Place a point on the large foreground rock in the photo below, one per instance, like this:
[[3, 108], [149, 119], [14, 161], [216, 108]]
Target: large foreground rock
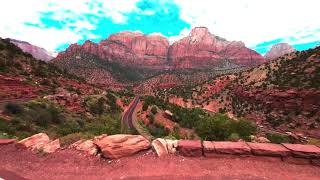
[[39, 142], [191, 148], [86, 146], [35, 142], [304, 151], [163, 147], [7, 141], [267, 149], [160, 147], [51, 146], [121, 145], [239, 148]]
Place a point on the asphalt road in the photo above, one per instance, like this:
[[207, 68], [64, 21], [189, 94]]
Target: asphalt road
[[127, 117]]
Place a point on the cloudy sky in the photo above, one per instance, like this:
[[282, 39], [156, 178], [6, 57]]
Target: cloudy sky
[[54, 24]]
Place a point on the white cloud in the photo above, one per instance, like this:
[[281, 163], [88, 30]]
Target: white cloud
[[14, 13], [252, 21], [183, 33]]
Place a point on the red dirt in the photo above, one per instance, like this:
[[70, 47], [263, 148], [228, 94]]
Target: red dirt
[[70, 164]]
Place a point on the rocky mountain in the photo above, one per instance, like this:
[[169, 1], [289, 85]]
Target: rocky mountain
[[143, 56], [35, 51], [203, 49], [279, 50]]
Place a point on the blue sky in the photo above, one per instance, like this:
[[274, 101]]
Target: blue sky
[[54, 24]]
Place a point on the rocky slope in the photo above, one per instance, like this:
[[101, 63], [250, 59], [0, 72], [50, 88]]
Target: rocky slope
[[279, 50], [22, 77], [282, 95], [142, 56], [35, 51]]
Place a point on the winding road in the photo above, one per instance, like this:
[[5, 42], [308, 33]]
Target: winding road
[[127, 117]]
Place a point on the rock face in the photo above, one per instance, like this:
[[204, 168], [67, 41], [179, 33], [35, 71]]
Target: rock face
[[117, 146], [202, 49], [278, 50], [126, 48], [35, 51]]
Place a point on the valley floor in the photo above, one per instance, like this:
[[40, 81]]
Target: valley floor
[[70, 164]]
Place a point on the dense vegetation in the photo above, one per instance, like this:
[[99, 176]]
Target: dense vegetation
[[208, 126], [45, 116]]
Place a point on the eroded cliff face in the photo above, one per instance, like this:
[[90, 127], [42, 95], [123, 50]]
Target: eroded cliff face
[[203, 49], [200, 49], [278, 50]]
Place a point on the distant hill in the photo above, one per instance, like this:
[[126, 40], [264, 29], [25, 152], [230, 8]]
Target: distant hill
[[35, 51]]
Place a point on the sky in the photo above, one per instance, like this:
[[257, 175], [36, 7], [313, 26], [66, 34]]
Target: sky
[[54, 24]]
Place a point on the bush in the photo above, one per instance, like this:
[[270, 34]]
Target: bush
[[244, 129], [13, 108], [154, 110], [220, 128], [278, 138], [151, 118], [72, 138], [145, 106], [95, 104], [234, 137]]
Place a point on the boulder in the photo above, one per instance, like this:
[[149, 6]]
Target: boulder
[[86, 146], [121, 145], [172, 146], [208, 149], [35, 142], [191, 148], [7, 141], [51, 146], [160, 147], [267, 149], [240, 148], [98, 138], [305, 151]]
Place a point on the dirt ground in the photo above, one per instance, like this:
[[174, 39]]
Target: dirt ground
[[71, 164]]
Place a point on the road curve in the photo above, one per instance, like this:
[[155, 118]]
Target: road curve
[[127, 116]]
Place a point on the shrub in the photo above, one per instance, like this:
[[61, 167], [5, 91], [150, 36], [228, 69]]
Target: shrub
[[234, 137], [13, 108], [145, 106], [219, 127], [154, 110], [244, 128], [151, 118], [214, 128], [278, 138], [72, 138]]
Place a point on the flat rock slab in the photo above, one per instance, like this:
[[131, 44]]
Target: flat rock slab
[[305, 151], [240, 148], [7, 141], [208, 149], [267, 149], [192, 148]]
